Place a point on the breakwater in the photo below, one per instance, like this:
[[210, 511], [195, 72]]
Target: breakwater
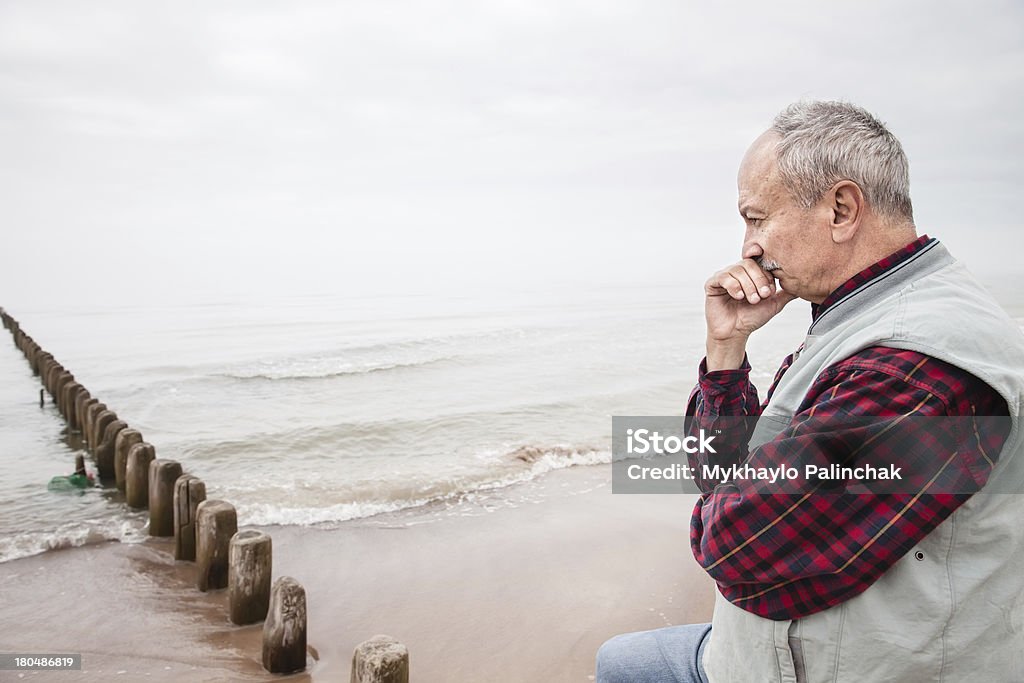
[[205, 531]]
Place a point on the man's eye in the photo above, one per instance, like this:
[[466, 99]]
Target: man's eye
[[754, 221]]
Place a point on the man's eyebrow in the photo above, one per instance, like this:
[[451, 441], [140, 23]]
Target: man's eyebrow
[[746, 209]]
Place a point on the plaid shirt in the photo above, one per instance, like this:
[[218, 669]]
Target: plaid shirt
[[786, 556]]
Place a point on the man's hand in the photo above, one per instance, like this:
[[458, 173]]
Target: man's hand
[[738, 300]]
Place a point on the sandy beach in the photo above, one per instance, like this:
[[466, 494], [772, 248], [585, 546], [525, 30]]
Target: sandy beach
[[482, 593]]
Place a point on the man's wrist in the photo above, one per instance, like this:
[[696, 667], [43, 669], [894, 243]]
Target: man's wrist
[[726, 355]]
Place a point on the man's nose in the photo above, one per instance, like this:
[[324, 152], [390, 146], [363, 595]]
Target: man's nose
[[751, 249]]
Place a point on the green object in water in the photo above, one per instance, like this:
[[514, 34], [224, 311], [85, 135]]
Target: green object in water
[[71, 482]]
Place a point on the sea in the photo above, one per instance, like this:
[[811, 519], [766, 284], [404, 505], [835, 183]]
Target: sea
[[321, 410]]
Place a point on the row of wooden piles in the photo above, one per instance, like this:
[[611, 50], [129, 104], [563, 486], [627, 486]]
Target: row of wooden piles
[[205, 531]]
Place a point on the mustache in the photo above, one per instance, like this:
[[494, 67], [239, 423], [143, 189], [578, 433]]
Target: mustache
[[767, 264]]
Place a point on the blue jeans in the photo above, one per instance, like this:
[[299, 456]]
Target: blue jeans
[[664, 655]]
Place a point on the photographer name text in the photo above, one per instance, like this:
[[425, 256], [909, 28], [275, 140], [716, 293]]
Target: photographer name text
[[770, 474]]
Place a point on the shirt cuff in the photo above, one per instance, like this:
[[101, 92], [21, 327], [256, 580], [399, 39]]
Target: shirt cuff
[[721, 387], [722, 378]]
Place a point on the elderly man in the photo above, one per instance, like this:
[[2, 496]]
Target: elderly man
[[921, 584]]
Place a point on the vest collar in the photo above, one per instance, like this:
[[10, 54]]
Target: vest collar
[[932, 257]]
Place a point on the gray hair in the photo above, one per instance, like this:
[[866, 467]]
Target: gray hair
[[825, 142]]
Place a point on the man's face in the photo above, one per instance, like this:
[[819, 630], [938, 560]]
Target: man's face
[[792, 243]]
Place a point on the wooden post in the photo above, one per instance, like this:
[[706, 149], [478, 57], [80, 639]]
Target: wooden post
[[62, 402], [249, 570], [82, 408], [90, 419], [42, 400], [56, 377], [45, 369], [381, 659], [162, 475], [284, 631], [63, 379], [33, 358], [216, 523], [99, 428], [43, 361], [52, 373], [189, 492], [105, 451], [51, 378], [71, 393], [136, 481], [126, 438]]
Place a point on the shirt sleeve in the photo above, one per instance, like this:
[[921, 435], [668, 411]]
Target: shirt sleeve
[[719, 405], [723, 393], [784, 556]]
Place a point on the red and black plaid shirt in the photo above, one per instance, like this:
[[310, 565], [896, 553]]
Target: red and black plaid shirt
[[786, 557]]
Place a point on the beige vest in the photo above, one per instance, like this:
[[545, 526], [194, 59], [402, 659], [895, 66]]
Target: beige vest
[[952, 609]]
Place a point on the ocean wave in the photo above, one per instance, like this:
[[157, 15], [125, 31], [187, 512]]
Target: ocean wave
[[509, 468], [346, 439], [316, 368], [303, 505], [349, 359], [73, 535]]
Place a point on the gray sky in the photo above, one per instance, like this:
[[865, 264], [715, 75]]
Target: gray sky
[[211, 149]]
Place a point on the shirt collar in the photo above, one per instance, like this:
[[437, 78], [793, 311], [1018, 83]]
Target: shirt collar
[[870, 273]]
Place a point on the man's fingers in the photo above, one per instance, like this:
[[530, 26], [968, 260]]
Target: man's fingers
[[754, 282], [740, 299], [763, 281], [742, 280], [725, 281], [716, 284]]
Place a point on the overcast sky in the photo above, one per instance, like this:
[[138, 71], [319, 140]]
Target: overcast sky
[[213, 149]]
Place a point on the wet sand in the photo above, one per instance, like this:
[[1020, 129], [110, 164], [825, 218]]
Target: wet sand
[[502, 592]]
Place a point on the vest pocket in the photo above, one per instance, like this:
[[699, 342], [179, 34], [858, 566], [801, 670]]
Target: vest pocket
[[796, 649], [815, 643]]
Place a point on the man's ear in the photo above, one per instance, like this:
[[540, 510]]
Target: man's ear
[[848, 208]]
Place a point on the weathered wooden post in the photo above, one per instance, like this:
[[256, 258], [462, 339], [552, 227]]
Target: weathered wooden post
[[62, 400], [33, 358], [51, 377], [381, 659], [46, 369], [90, 419], [82, 410], [105, 451], [162, 475], [216, 523], [126, 438], [56, 373], [284, 631], [42, 399], [63, 379], [189, 492], [72, 391], [52, 372], [43, 359], [249, 570], [136, 481], [99, 427]]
